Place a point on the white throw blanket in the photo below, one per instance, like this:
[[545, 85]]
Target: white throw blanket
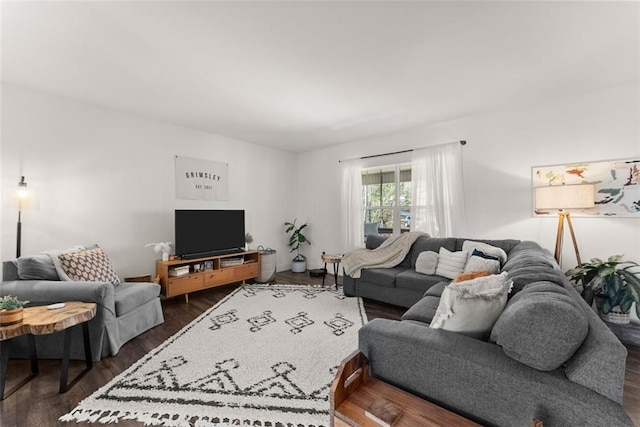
[[387, 255]]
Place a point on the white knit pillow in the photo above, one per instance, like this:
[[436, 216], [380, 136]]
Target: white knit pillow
[[450, 264], [426, 262]]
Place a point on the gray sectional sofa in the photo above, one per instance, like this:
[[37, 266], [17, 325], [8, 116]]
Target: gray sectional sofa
[[123, 312], [549, 356]]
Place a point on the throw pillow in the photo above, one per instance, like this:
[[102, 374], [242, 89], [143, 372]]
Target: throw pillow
[[469, 275], [470, 245], [450, 264], [472, 307], [37, 267], [481, 261], [90, 265], [54, 255], [427, 262]]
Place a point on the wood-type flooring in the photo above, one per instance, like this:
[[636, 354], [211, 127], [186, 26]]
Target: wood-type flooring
[[38, 403]]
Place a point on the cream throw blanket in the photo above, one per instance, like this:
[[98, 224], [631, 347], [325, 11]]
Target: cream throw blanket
[[389, 254]]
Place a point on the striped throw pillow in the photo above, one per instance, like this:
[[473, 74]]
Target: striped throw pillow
[[450, 264]]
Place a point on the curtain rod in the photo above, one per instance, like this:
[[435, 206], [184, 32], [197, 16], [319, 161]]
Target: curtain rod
[[462, 142]]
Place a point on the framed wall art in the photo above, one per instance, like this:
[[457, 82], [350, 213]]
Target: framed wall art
[[617, 186]]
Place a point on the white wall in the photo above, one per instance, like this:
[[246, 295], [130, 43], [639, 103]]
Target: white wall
[[106, 177], [502, 147]]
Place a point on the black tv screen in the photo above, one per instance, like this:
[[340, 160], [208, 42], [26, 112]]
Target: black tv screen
[[200, 233]]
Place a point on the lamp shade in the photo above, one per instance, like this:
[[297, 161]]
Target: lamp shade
[[575, 196]]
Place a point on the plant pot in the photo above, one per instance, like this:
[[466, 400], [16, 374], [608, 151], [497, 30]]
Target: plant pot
[[10, 317], [298, 266], [616, 316]]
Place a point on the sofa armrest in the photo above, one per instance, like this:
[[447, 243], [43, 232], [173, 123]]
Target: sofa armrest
[[477, 380], [42, 292]]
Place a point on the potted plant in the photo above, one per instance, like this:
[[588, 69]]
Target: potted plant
[[11, 310], [296, 239], [612, 283]]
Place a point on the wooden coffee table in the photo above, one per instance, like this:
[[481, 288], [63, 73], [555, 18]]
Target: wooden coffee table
[[42, 321]]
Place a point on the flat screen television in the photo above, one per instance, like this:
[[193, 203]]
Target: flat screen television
[[201, 233]]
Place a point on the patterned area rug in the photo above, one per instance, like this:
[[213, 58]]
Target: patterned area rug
[[266, 353]]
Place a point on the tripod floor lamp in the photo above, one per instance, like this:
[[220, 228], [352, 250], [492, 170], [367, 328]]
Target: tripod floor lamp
[[561, 197]]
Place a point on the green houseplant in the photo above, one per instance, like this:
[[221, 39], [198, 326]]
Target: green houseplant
[[612, 282], [296, 239], [11, 310]]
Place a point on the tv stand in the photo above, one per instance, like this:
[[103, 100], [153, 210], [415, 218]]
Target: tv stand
[[206, 272]]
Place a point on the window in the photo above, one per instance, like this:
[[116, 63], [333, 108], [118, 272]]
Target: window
[[386, 198]]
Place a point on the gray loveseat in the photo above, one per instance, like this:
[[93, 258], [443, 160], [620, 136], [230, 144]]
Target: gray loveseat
[[549, 357], [123, 311]]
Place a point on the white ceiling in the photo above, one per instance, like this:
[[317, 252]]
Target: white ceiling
[[299, 76]]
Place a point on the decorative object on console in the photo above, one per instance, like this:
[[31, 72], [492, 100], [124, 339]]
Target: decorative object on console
[[248, 239], [562, 197], [162, 247], [617, 185], [612, 284], [11, 310], [296, 239]]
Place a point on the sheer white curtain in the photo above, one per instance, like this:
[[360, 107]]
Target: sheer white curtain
[[352, 221], [437, 191]]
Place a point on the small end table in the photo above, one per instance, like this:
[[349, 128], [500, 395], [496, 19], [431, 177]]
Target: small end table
[[42, 321], [334, 259]]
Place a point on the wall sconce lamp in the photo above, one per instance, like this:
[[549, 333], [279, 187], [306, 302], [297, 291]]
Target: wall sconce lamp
[[561, 197]]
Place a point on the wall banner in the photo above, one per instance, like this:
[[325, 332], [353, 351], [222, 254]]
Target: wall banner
[[199, 179]]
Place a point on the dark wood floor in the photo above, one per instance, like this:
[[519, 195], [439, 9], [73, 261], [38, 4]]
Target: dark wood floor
[[38, 403]]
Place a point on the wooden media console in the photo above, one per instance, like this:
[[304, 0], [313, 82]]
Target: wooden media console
[[206, 272]]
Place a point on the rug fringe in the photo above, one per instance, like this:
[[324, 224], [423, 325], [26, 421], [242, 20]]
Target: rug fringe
[[165, 420]]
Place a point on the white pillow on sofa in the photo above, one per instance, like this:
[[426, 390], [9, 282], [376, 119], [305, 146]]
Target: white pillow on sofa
[[450, 264], [484, 262], [473, 306], [470, 245], [427, 262]]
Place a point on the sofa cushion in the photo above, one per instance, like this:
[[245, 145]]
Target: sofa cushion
[[374, 240], [524, 276], [90, 265], [423, 310], [470, 245], [472, 307], [450, 264], [410, 279], [436, 290], [427, 262], [381, 276], [37, 267], [434, 244], [130, 296], [542, 326]]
